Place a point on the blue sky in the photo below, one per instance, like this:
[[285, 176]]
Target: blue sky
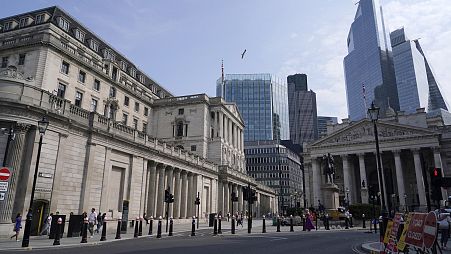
[[180, 43]]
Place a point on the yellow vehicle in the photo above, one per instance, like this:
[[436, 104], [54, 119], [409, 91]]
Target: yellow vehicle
[[336, 214]]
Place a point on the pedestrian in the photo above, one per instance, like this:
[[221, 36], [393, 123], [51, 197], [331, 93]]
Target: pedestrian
[[99, 222], [144, 217], [309, 221], [92, 220], [47, 225], [17, 226], [443, 226]]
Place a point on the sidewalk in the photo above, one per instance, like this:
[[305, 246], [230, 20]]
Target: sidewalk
[[376, 247]]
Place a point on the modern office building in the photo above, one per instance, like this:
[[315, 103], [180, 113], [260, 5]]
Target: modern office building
[[262, 101], [410, 71], [368, 66], [116, 139], [277, 164], [302, 110], [322, 124]]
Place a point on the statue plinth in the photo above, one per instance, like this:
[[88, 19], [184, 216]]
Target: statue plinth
[[330, 195], [364, 195]]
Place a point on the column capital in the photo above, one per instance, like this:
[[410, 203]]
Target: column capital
[[21, 128], [397, 152], [415, 151], [360, 155], [161, 166], [343, 156], [436, 149]]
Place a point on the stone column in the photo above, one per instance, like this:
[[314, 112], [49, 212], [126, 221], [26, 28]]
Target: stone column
[[160, 196], [226, 195], [316, 177], [240, 198], [151, 211], [184, 195], [189, 199], [177, 193], [347, 179], [170, 187], [419, 177], [399, 177], [220, 197], [14, 162], [364, 190], [221, 125]]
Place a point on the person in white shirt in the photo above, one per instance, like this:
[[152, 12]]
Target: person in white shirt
[[92, 220], [47, 225]]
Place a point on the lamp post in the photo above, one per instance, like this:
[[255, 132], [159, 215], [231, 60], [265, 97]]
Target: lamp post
[[373, 112], [42, 127], [405, 203]]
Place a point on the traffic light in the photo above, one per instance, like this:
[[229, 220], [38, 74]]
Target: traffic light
[[245, 194], [197, 201], [253, 196], [171, 198], [436, 183], [166, 196]]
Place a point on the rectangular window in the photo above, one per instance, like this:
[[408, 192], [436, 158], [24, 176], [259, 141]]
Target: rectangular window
[[181, 111], [135, 123], [124, 119], [23, 22], [145, 127], [112, 92], [39, 19], [96, 85], [126, 101], [146, 111], [21, 59], [78, 98], [63, 24], [4, 62], [61, 90], [79, 35], [193, 148], [114, 74], [82, 76], [136, 107], [8, 26], [93, 105], [65, 68], [94, 45]]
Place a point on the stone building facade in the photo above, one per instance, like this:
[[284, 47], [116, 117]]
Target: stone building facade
[[109, 144]]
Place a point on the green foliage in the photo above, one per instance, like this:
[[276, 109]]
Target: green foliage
[[358, 209], [295, 211]]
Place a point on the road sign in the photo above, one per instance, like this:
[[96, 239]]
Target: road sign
[[430, 230], [4, 174], [402, 239], [3, 186], [414, 235], [2, 196]]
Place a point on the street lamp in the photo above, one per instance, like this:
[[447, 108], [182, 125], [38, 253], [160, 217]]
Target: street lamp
[[373, 112], [405, 203], [42, 127]]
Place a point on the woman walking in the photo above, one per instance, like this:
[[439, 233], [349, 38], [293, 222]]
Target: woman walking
[[309, 221], [17, 226]]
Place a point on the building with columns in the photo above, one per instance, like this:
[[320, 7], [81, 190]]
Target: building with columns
[[410, 146], [116, 139]]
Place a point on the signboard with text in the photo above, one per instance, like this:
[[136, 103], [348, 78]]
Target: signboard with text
[[3, 186], [414, 236], [429, 230]]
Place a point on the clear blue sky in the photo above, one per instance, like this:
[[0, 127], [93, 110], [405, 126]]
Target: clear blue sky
[[180, 43]]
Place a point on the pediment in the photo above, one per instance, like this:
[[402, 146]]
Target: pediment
[[233, 108], [363, 131]]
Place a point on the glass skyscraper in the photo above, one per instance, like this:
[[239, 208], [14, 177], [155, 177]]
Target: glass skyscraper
[[368, 67], [263, 103]]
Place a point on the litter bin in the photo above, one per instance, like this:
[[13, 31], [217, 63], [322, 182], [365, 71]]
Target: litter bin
[[54, 226], [211, 219], [75, 223]]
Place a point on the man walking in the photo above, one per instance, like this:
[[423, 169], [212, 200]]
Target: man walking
[[92, 220], [47, 225]]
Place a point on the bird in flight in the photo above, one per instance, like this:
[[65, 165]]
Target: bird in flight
[[244, 52]]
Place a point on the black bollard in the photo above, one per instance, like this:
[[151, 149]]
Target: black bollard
[[84, 236], [291, 223], [347, 223], [350, 222], [363, 221], [193, 227], [103, 237], [215, 226], [264, 225], [159, 227], [303, 222], [135, 235], [375, 226], [171, 226], [327, 222], [140, 230], [118, 229], [316, 221], [219, 224], [278, 223], [233, 225], [58, 232], [150, 225]]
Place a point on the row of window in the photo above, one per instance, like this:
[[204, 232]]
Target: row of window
[[266, 160], [23, 22], [272, 150], [5, 60]]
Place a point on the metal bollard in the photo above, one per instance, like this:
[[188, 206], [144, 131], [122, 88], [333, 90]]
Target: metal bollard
[[140, 230], [219, 224], [291, 223], [303, 222], [363, 221], [327, 222], [171, 226], [135, 235], [215, 225], [103, 237], [118, 229], [193, 227], [58, 232], [375, 226], [351, 224], [159, 227], [150, 225], [264, 225], [278, 223], [84, 236], [347, 223], [233, 224]]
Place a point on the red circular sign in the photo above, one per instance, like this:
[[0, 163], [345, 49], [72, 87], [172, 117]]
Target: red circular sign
[[4, 174], [429, 230]]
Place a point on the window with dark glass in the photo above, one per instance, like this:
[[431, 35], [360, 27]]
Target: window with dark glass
[[126, 101], [136, 107], [124, 119], [179, 132], [181, 111], [146, 111], [94, 105], [78, 98], [135, 123], [61, 90], [96, 85], [23, 22], [4, 62], [65, 67], [39, 19], [112, 92], [144, 127], [21, 59], [193, 148], [82, 76]]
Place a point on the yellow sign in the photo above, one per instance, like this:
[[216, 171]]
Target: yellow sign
[[387, 231], [402, 239]]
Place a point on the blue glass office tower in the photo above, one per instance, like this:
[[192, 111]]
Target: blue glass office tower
[[368, 67], [263, 103]]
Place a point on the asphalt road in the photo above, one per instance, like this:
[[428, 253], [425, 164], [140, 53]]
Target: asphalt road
[[203, 242]]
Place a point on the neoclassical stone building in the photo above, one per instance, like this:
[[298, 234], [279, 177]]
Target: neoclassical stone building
[[117, 139], [410, 146]]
